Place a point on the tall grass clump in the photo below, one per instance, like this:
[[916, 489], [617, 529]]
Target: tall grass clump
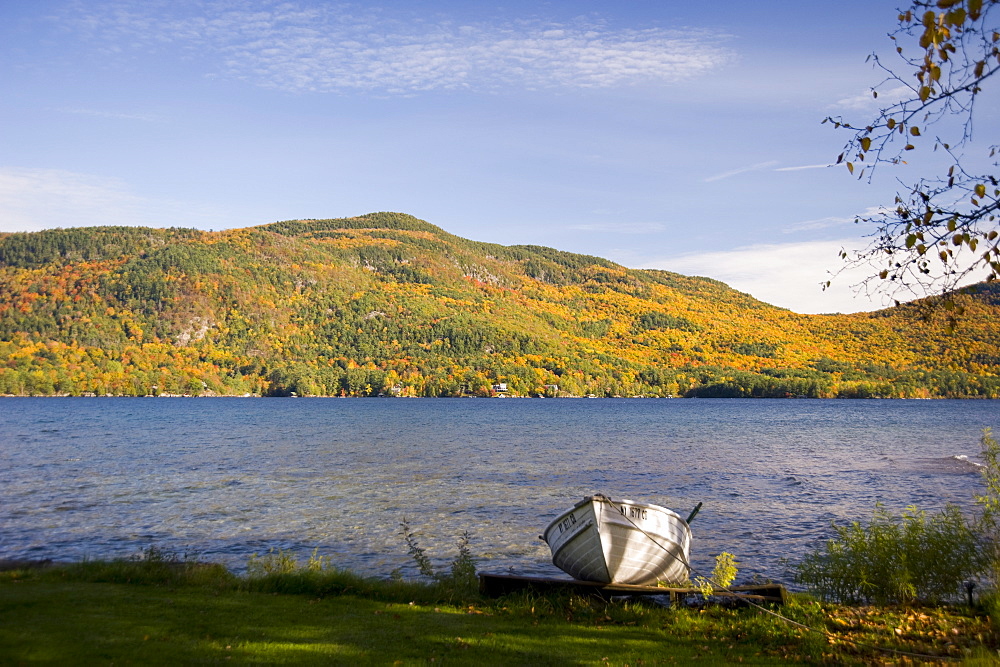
[[280, 571], [459, 582], [152, 566]]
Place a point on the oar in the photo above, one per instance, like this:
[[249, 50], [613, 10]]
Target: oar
[[694, 513]]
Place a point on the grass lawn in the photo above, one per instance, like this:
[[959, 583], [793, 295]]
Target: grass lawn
[[89, 623], [64, 616]]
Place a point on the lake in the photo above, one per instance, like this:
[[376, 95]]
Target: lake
[[222, 478]]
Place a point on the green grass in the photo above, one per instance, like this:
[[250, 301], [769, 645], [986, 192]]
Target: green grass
[[170, 612], [86, 623]]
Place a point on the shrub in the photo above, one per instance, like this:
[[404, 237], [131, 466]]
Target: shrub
[[723, 574], [989, 501], [914, 556]]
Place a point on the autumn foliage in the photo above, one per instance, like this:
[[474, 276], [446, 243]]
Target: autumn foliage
[[385, 304]]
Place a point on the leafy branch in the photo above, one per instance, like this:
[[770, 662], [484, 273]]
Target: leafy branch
[[941, 229]]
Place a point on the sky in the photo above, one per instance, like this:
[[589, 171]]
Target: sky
[[657, 134]]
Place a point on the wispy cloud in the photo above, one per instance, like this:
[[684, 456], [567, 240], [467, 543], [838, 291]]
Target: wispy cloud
[[805, 166], [783, 274], [34, 199], [818, 223], [834, 221], [741, 170], [867, 102], [337, 48], [762, 166], [790, 275]]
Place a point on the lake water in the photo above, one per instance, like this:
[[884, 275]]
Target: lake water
[[223, 478]]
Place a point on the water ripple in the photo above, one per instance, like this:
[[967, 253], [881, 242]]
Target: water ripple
[[225, 478]]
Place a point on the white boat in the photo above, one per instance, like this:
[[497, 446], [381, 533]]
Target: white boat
[[620, 542]]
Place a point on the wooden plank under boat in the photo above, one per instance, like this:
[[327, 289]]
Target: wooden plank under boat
[[495, 585], [621, 542]]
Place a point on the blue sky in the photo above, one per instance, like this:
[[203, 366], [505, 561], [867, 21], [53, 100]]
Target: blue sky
[[658, 134]]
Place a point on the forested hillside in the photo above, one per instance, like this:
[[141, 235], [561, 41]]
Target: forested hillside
[[385, 304]]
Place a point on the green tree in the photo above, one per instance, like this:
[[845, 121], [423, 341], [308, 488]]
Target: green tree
[[942, 228]]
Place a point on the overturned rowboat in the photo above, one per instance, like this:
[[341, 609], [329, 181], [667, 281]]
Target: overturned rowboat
[[621, 542]]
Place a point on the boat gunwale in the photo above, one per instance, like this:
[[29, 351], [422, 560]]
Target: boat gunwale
[[614, 503]]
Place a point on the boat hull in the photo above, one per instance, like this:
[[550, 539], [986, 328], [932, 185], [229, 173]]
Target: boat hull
[[621, 542]]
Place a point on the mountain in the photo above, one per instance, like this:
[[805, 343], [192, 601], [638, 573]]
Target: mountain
[[386, 304]]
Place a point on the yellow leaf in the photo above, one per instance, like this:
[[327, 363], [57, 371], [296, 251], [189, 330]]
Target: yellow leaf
[[850, 167], [980, 190], [915, 131], [891, 123]]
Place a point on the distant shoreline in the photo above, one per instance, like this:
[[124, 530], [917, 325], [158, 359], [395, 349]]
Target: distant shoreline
[[615, 398]]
